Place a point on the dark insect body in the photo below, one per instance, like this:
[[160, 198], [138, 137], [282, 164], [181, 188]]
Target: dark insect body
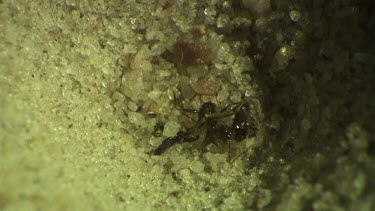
[[168, 142], [242, 126]]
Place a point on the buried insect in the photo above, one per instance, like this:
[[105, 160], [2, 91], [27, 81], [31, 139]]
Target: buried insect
[[242, 125]]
